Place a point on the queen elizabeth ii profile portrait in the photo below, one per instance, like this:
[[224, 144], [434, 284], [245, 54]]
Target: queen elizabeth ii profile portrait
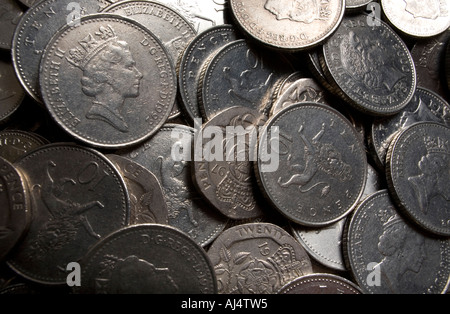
[[109, 75]]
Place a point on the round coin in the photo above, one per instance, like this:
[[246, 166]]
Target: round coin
[[147, 259], [77, 197], [387, 255], [15, 211], [320, 284], [418, 175], [10, 13], [257, 258], [315, 172], [108, 82], [11, 91], [356, 4], [358, 60], [288, 25], [16, 143], [418, 18]]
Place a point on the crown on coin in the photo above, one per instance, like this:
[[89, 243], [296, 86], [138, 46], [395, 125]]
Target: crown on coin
[[90, 46], [387, 218], [437, 145]]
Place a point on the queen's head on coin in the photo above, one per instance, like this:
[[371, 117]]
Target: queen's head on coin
[[428, 9], [109, 75]]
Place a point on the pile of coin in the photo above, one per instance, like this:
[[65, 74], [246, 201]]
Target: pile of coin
[[224, 147]]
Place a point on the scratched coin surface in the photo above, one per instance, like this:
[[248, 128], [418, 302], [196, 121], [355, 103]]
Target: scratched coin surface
[[320, 284], [147, 259], [168, 156], [418, 175], [312, 170], [388, 255], [174, 31], [418, 18], [77, 197], [118, 71], [424, 106], [290, 25], [147, 202], [15, 211], [358, 60], [223, 172], [11, 91], [257, 258]]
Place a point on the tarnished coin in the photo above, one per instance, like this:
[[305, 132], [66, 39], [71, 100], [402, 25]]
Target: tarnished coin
[[34, 30], [320, 284], [387, 255], [223, 167], [147, 259], [424, 106], [147, 202], [16, 143], [170, 27], [239, 74], [358, 59], [418, 175], [312, 170], [77, 197], [11, 91], [257, 258], [10, 14], [168, 156], [15, 210], [191, 63], [108, 82], [289, 25], [418, 18]]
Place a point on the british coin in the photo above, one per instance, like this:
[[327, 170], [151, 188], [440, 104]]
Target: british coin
[[147, 202], [223, 167], [168, 156], [34, 30], [77, 198], [320, 172], [121, 74], [10, 14], [11, 92], [287, 25], [388, 255], [447, 66], [429, 59], [356, 4], [170, 27], [424, 106], [147, 259], [15, 211], [320, 284], [417, 172], [14, 144], [358, 60], [29, 3], [240, 75], [192, 60], [418, 18], [257, 258]]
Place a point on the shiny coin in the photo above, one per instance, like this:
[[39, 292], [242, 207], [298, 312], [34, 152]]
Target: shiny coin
[[11, 91], [257, 258], [118, 71], [10, 13], [418, 18], [387, 255], [356, 4], [358, 58], [16, 143], [147, 259], [77, 197], [418, 174], [320, 284], [317, 174], [286, 24]]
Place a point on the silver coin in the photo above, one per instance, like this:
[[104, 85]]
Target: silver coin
[[418, 18], [257, 258], [147, 259], [14, 144], [387, 255], [418, 175], [320, 284], [77, 197], [322, 164], [11, 91], [121, 74], [10, 14], [356, 4]]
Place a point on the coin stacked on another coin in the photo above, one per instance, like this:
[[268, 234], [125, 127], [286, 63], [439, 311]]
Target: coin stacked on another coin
[[224, 147]]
